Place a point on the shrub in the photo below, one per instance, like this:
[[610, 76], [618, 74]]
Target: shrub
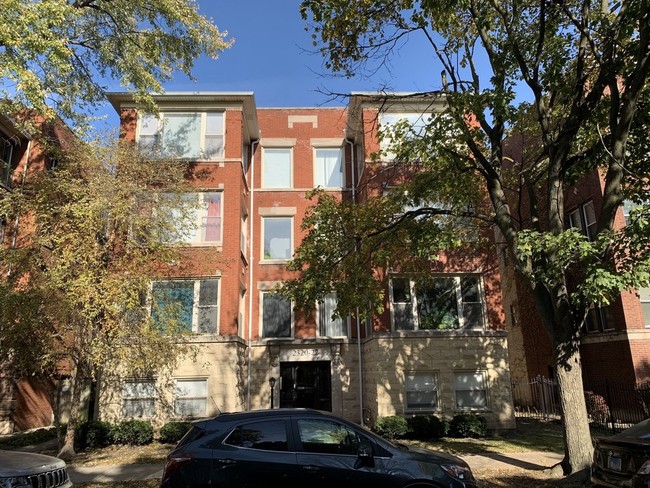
[[468, 425], [172, 432], [133, 433], [597, 408], [425, 427], [93, 433], [23, 439], [392, 427]]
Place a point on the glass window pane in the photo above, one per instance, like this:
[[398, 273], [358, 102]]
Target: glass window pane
[[321, 436], [645, 306], [401, 290], [173, 301], [181, 135], [438, 305], [277, 238], [190, 398], [269, 436], [328, 170], [277, 168], [208, 292], [329, 327], [276, 316], [470, 390], [421, 391]]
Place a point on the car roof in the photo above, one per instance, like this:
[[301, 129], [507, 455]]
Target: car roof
[[262, 414]]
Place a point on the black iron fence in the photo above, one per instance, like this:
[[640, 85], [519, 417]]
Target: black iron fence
[[611, 406]]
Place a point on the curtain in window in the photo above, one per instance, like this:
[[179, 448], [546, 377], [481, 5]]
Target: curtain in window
[[421, 391], [139, 399], [211, 219], [182, 135], [277, 168], [470, 390], [328, 168], [173, 301], [330, 327], [276, 316], [190, 398]]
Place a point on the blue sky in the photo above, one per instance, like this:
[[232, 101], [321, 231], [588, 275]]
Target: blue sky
[[270, 58]]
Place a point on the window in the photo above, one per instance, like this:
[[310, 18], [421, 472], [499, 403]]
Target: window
[[270, 435], [277, 237], [243, 235], [190, 398], [193, 305], [598, 319], [584, 219], [276, 166], [206, 220], [644, 295], [470, 391], [417, 123], [328, 169], [139, 399], [443, 303], [328, 437], [276, 316], [328, 327], [195, 135], [6, 157], [421, 392]]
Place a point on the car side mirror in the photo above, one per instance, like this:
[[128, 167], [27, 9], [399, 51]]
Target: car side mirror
[[365, 451]]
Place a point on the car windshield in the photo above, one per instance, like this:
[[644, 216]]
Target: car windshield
[[638, 431]]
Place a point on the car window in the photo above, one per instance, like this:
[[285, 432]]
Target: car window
[[193, 434], [324, 436], [270, 435]]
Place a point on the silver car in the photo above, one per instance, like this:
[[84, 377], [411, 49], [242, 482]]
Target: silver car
[[28, 470]]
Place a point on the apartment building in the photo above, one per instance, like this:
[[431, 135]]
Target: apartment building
[[254, 350]]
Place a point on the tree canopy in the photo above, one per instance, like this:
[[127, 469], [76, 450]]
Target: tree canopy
[[86, 241], [57, 56], [583, 68]]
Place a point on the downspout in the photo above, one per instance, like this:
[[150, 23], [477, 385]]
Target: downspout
[[359, 348], [250, 274]]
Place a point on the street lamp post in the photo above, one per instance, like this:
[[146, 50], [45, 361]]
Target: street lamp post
[[272, 385]]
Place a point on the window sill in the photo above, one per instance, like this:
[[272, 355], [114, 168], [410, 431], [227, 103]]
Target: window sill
[[274, 261]]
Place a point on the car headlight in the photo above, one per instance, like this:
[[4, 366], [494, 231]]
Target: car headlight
[[457, 471], [14, 482]]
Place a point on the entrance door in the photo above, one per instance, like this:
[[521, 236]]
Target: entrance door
[[306, 385]]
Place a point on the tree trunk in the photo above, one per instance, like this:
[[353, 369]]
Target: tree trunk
[[578, 448], [67, 452]]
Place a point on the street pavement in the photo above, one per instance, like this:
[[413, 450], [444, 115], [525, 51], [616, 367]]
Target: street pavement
[[532, 460]]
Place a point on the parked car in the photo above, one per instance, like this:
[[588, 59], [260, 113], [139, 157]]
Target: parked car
[[295, 448], [623, 459], [28, 470]]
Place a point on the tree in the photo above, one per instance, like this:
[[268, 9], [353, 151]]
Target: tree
[[91, 236], [584, 66], [57, 55]]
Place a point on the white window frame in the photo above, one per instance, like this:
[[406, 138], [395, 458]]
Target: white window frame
[[265, 152], [263, 294], [196, 306], [270, 259], [180, 397], [579, 218], [421, 383], [318, 171], [203, 134], [458, 388], [321, 309], [144, 392], [459, 302]]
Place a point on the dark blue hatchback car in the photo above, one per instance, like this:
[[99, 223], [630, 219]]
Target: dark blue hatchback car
[[293, 448]]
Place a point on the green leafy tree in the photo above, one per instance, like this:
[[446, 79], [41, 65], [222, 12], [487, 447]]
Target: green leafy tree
[[584, 66], [86, 241], [57, 56]]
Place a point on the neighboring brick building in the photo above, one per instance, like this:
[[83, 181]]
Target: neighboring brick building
[[257, 165], [25, 149], [616, 339]]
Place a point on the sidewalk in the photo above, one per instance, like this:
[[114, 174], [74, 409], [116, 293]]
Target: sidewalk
[[532, 460]]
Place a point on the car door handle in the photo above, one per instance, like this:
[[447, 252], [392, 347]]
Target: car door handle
[[311, 468], [226, 461]]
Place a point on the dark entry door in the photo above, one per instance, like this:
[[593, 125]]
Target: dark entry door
[[306, 385]]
